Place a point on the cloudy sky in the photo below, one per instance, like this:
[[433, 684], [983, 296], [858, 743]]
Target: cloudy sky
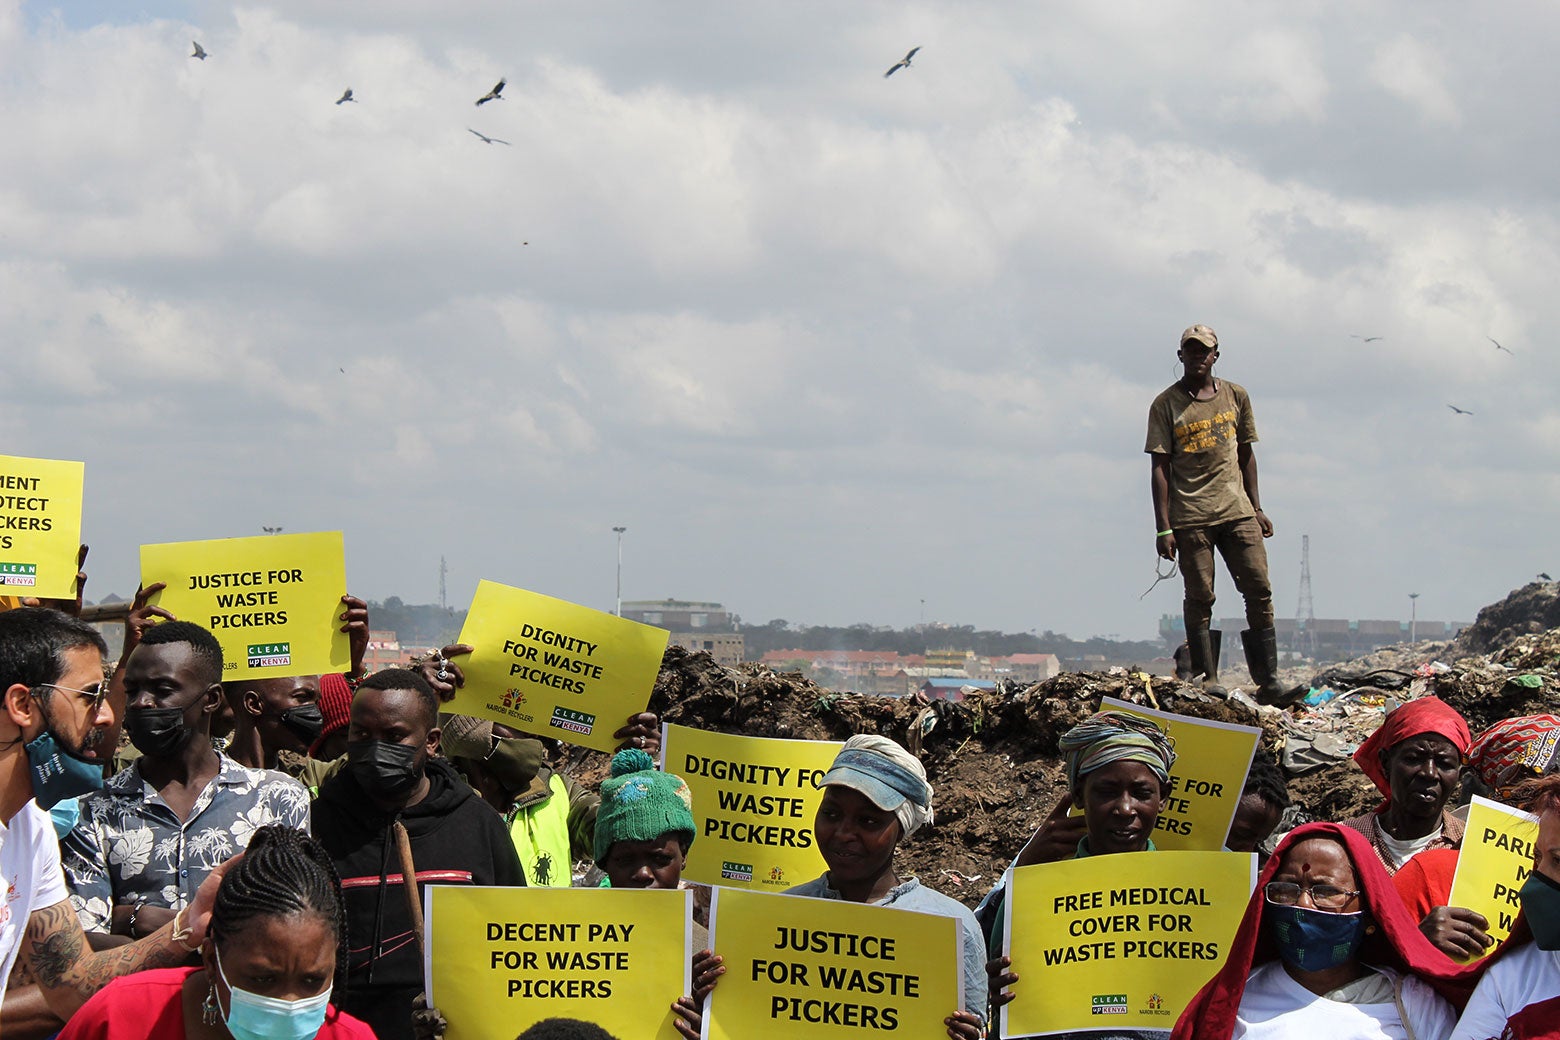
[[828, 345]]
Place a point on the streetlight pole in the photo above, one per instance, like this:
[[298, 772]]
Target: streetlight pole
[[1413, 615], [619, 532]]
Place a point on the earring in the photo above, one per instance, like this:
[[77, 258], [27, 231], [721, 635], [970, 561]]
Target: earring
[[210, 1013]]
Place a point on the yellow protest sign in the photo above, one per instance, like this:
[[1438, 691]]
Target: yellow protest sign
[[754, 799], [822, 968], [1211, 761], [499, 960], [1495, 859], [551, 667], [1119, 942], [40, 526], [272, 601]]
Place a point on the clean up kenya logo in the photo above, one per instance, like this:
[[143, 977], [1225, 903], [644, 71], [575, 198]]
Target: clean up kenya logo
[[18, 574], [1109, 1004], [269, 655], [736, 871], [573, 721]]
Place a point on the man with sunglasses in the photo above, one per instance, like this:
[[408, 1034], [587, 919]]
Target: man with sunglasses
[[54, 718], [1204, 484]]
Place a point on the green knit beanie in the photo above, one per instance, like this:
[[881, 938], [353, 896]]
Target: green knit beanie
[[640, 803]]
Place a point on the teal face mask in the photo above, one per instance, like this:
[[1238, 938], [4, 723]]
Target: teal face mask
[[57, 774], [253, 1017], [1541, 906]]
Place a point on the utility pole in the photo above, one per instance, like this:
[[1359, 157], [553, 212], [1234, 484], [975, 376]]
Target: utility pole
[[1305, 612], [619, 532], [443, 572]]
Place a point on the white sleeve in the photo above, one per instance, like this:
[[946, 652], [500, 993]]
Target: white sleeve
[[1485, 1016], [1429, 1015], [48, 880]]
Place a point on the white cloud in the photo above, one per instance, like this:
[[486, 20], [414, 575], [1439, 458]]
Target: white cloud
[[1414, 73]]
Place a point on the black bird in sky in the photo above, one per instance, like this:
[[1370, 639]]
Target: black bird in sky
[[200, 52], [1495, 341], [346, 95], [486, 139], [1365, 339], [496, 94], [1459, 411], [902, 63], [1544, 576]]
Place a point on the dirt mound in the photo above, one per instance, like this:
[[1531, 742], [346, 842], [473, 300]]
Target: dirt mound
[[991, 758], [1528, 611]]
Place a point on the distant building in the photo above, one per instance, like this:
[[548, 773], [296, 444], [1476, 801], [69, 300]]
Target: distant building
[[385, 651], [679, 615], [1319, 639], [725, 647], [1027, 668]]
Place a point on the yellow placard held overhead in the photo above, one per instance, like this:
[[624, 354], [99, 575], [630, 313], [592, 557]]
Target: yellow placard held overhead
[[272, 601], [40, 526], [1495, 860], [1211, 762], [824, 968], [1119, 942], [551, 667], [754, 799], [499, 960]]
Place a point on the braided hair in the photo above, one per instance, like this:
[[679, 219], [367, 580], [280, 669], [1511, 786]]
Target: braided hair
[[1266, 780], [284, 872]]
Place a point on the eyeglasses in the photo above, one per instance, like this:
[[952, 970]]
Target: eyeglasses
[[94, 697], [1326, 897]]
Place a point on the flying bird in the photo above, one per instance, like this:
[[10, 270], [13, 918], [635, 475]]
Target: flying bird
[[346, 95], [496, 94], [902, 63], [1495, 341], [1459, 411], [200, 52], [1365, 339], [486, 139]]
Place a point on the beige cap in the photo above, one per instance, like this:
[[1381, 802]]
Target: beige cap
[[1202, 334]]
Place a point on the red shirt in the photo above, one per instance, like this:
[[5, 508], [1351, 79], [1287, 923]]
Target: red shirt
[[147, 1006]]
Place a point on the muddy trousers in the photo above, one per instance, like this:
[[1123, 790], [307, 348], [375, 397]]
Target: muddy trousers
[[1240, 543]]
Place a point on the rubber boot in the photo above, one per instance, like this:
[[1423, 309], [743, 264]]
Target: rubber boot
[[1205, 660], [1261, 646]]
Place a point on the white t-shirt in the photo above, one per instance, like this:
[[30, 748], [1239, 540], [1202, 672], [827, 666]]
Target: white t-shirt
[[30, 875], [1276, 1007], [1524, 976]]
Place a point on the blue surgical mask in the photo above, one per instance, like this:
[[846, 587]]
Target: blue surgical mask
[[57, 774], [253, 1017], [1314, 940]]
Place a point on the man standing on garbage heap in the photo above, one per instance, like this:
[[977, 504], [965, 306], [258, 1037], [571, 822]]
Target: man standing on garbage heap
[[1204, 480]]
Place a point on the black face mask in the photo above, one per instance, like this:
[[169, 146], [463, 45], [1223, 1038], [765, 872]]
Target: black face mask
[[157, 732], [305, 721], [385, 770]]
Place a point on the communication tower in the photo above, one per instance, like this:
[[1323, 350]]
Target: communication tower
[[1305, 612]]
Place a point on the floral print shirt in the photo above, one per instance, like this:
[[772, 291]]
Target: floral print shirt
[[130, 848]]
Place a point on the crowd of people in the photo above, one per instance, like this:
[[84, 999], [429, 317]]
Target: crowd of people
[[141, 919]]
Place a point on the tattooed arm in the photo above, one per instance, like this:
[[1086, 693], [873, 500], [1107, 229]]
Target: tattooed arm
[[69, 971]]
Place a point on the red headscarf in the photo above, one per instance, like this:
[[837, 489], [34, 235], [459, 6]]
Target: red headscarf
[[1396, 943], [1425, 715]]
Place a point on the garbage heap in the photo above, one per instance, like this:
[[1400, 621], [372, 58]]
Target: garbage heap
[[992, 757]]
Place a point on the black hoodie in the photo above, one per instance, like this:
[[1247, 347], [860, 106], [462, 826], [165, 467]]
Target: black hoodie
[[457, 839]]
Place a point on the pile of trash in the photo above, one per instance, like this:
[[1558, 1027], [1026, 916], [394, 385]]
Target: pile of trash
[[992, 757]]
